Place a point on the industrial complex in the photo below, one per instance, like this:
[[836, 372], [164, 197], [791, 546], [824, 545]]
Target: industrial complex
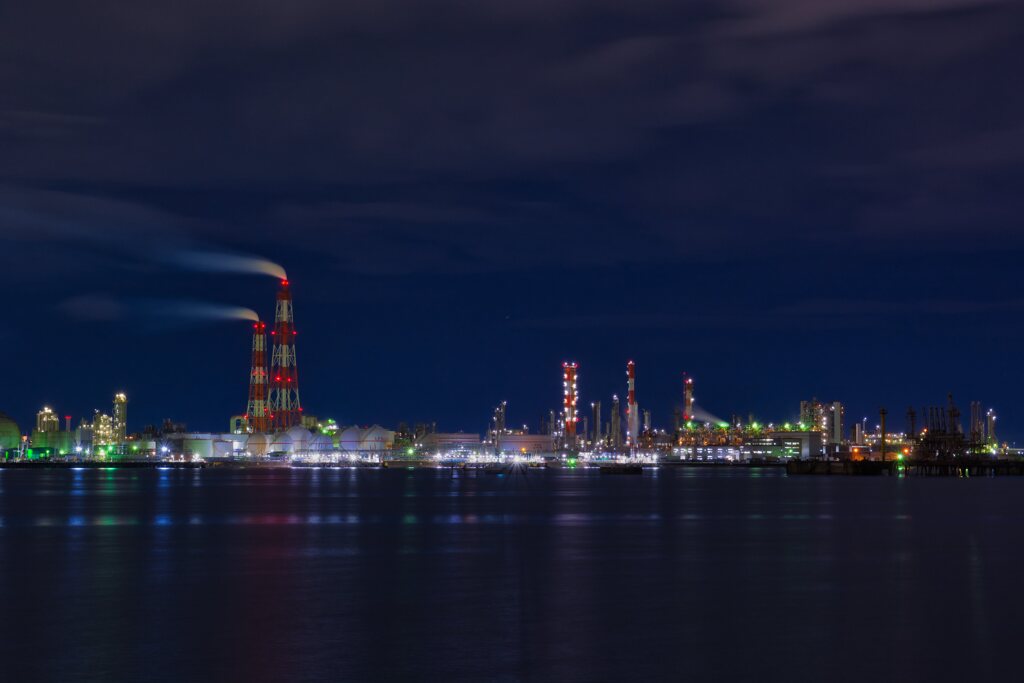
[[275, 429]]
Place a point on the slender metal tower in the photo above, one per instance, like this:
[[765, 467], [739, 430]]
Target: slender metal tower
[[615, 428], [285, 407], [632, 411], [571, 396], [257, 412], [687, 398]]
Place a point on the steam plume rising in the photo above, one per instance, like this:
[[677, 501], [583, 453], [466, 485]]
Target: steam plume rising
[[204, 311], [100, 307], [228, 263]]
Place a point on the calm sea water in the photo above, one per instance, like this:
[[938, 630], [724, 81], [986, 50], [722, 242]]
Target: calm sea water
[[343, 575]]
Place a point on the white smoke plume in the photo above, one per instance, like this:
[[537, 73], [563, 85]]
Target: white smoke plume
[[101, 307], [205, 311], [227, 263]]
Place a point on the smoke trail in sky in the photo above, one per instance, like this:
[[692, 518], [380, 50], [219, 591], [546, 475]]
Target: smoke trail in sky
[[203, 311], [227, 263], [101, 307]]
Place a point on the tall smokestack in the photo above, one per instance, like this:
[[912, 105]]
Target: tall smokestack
[[615, 425], [632, 412], [571, 396], [257, 412], [687, 398], [285, 407]]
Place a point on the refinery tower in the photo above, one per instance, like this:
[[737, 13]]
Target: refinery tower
[[570, 399], [283, 397], [257, 412]]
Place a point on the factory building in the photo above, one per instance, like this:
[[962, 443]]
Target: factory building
[[525, 444], [784, 445], [440, 442]]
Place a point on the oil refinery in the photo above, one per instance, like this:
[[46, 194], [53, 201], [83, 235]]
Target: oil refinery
[[275, 430]]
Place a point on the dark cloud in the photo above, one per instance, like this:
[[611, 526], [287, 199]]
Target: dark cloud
[[524, 173]]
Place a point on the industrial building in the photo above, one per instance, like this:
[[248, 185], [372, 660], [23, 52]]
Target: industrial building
[[784, 445], [275, 427]]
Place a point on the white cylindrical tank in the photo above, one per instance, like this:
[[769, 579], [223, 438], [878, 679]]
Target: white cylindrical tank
[[281, 443], [301, 438], [376, 438], [321, 443], [257, 444], [350, 439]]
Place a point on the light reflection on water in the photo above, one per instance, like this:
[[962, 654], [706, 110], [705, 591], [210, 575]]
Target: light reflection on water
[[377, 575]]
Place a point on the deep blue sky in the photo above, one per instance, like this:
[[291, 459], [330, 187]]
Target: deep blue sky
[[784, 198]]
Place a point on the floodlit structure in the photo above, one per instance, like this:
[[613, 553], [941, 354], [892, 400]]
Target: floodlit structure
[[526, 444], [285, 407], [120, 425], [835, 424], [570, 391], [257, 411], [632, 411], [687, 398], [47, 420], [103, 433]]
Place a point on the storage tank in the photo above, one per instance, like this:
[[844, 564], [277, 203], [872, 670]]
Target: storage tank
[[281, 443], [350, 439], [10, 435], [321, 443], [376, 438], [258, 444], [301, 437]]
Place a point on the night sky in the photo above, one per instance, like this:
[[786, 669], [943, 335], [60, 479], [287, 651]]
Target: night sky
[[784, 198]]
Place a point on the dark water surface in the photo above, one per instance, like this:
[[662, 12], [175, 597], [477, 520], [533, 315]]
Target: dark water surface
[[344, 575]]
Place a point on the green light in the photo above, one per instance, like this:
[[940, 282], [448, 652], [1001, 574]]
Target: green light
[[786, 426], [410, 451], [723, 425]]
